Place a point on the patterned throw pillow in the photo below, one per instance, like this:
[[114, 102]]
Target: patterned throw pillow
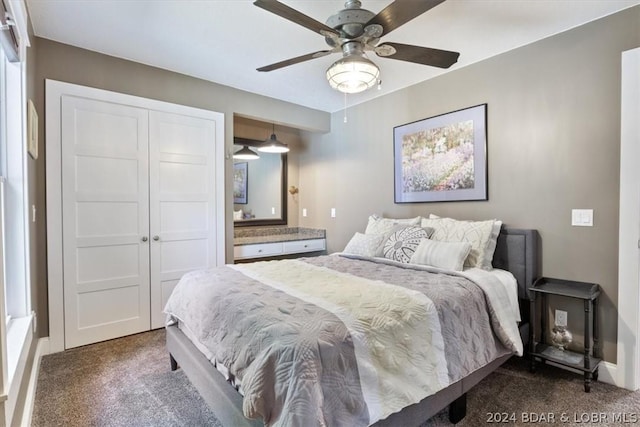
[[478, 233], [378, 225], [402, 242], [364, 244], [490, 249]]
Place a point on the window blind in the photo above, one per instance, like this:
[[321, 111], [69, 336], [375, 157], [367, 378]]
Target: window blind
[[8, 36]]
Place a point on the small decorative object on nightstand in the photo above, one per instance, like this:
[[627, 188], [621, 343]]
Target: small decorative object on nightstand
[[560, 336]]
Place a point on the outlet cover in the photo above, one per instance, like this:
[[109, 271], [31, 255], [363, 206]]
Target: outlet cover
[[561, 318]]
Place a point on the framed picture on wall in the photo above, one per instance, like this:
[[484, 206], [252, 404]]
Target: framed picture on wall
[[442, 158], [240, 181]]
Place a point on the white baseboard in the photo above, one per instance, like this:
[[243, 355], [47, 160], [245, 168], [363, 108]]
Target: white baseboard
[[41, 350], [608, 373]]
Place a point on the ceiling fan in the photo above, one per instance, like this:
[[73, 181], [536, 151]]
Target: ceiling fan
[[355, 31]]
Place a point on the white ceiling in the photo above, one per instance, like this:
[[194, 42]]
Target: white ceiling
[[225, 41]]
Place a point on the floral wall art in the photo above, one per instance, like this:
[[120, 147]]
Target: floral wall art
[[442, 158]]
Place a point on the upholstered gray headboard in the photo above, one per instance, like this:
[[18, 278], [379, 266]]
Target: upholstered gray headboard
[[517, 251]]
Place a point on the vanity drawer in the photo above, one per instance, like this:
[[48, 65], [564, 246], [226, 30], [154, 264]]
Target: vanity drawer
[[297, 246], [257, 251]]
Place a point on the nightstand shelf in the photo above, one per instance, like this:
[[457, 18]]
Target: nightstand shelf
[[587, 362], [567, 358]]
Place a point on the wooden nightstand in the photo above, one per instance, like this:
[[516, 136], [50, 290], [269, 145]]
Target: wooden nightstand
[[587, 362]]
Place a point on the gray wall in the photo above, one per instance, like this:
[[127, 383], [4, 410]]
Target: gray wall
[[553, 145], [70, 64], [35, 173]]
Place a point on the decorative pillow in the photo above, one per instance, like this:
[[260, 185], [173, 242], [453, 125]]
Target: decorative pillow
[[491, 243], [379, 225], [487, 263], [402, 242], [364, 244], [478, 233], [447, 255]]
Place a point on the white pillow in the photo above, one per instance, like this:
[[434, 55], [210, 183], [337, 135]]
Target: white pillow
[[364, 244], [402, 242], [447, 255], [478, 233], [378, 225], [487, 264], [491, 244]]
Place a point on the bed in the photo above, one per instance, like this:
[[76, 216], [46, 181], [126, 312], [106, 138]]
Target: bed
[[219, 382]]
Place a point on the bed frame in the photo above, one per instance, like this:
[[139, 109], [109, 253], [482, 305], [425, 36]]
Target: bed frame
[[517, 251]]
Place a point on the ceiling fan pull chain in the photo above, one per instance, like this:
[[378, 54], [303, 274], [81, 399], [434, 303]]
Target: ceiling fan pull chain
[[345, 107]]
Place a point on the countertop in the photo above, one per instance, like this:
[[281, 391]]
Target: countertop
[[254, 236]]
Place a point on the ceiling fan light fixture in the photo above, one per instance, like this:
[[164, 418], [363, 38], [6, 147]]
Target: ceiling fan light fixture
[[353, 74], [245, 153]]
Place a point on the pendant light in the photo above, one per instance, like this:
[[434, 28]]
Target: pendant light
[[272, 145], [245, 153]]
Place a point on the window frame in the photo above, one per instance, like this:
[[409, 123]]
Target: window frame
[[16, 334], [16, 236]]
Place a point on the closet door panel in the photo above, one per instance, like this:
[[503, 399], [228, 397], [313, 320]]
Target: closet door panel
[[184, 216], [105, 205], [182, 200]]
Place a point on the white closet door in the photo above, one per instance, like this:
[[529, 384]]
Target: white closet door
[[105, 220], [182, 199]]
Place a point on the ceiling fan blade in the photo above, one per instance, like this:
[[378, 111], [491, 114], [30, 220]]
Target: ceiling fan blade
[[296, 60], [419, 55], [293, 15], [400, 12]]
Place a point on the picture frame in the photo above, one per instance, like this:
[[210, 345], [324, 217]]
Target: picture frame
[[442, 158], [240, 181], [32, 130]]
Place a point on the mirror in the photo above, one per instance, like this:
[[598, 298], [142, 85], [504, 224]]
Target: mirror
[[259, 187]]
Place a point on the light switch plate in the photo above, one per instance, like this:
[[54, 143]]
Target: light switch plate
[[333, 212], [582, 217], [304, 212]]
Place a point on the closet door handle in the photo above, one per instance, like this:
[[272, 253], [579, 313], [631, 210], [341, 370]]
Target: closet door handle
[[156, 238], [145, 238]]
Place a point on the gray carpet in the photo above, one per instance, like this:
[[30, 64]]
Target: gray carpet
[[127, 382], [123, 382]]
